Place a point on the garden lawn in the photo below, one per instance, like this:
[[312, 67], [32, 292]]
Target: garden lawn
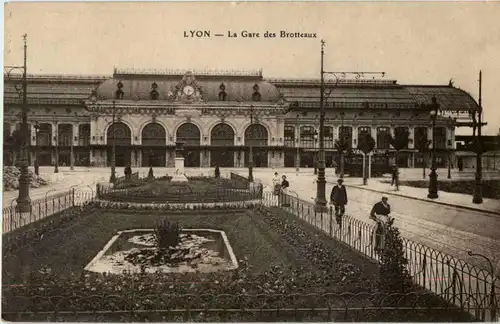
[[284, 263], [72, 247]]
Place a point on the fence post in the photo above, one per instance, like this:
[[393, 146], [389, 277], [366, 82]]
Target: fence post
[[73, 198], [331, 220]]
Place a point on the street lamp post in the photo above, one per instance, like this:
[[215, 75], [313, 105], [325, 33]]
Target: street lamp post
[[297, 143], [56, 140], [433, 177], [23, 200], [315, 155], [320, 205], [478, 192], [37, 165], [112, 177], [342, 157], [250, 153], [72, 149]]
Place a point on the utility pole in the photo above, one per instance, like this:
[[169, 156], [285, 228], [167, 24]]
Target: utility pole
[[24, 200], [478, 192]]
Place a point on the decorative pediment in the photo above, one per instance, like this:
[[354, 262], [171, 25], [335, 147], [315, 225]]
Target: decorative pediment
[[188, 90]]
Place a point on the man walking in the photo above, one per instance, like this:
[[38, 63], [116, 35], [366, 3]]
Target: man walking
[[380, 214], [338, 198]]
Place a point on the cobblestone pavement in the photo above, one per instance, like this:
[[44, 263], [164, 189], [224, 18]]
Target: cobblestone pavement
[[450, 230]]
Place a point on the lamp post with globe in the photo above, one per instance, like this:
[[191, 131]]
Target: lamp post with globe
[[433, 177]]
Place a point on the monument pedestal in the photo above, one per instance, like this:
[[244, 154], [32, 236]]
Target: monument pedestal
[[179, 170]]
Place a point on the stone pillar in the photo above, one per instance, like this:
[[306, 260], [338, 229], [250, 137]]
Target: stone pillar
[[91, 156], [139, 158], [373, 133], [370, 165], [429, 136], [166, 158], [411, 138], [354, 136], [132, 158]]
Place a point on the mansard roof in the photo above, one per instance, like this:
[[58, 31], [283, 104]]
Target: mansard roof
[[372, 94], [137, 84], [51, 89]]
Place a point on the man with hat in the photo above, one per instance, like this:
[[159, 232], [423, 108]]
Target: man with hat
[[338, 198], [380, 214]]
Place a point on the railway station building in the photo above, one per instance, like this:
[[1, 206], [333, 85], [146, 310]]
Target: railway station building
[[219, 115]]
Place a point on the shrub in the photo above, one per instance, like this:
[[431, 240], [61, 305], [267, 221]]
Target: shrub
[[167, 234], [394, 276]]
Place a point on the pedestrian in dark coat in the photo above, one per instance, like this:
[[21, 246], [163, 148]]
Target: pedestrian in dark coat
[[380, 214], [338, 198], [217, 172], [128, 171], [283, 192]]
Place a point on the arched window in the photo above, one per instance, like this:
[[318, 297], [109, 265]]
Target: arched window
[[154, 134], [222, 135], [189, 134], [119, 133], [256, 135]]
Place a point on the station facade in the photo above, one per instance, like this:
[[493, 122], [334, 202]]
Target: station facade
[[220, 115]]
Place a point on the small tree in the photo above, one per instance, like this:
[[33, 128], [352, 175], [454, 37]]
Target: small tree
[[366, 144], [167, 234], [394, 275], [399, 142], [423, 145], [342, 145]]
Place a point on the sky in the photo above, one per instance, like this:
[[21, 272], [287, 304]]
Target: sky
[[412, 42]]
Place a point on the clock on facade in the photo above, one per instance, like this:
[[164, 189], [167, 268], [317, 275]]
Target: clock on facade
[[188, 90]]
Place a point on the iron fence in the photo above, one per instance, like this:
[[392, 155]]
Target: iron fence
[[43, 208], [229, 307], [468, 286]]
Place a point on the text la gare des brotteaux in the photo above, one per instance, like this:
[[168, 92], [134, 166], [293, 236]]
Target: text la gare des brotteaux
[[249, 34]]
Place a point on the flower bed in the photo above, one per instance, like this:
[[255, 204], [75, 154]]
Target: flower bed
[[198, 250], [176, 206], [201, 190], [277, 254], [491, 188]]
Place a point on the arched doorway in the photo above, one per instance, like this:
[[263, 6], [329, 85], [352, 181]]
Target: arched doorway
[[256, 136], [222, 141], [190, 135], [120, 134], [154, 141]]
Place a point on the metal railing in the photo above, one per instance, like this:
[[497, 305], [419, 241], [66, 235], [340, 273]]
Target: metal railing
[[312, 307], [42, 208], [468, 286]]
